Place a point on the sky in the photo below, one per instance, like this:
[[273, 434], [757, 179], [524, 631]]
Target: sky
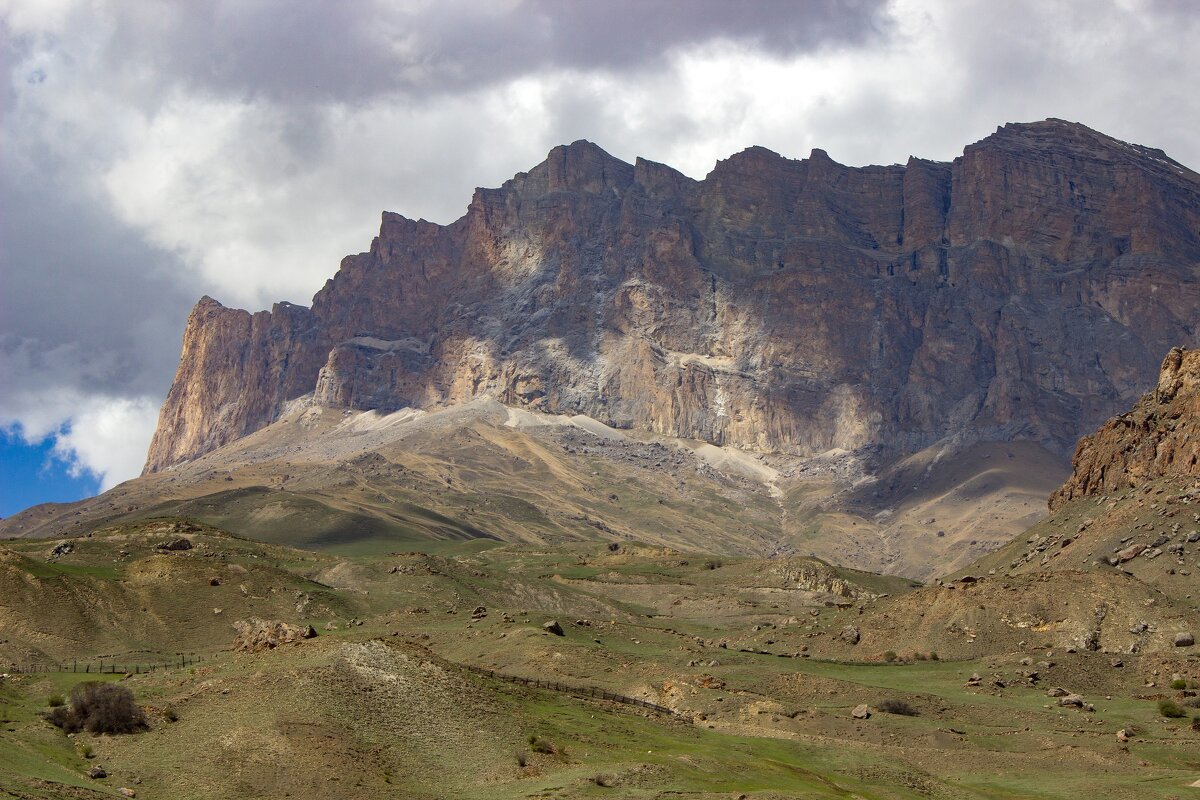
[[153, 152]]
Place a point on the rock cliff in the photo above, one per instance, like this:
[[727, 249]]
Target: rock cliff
[[1159, 438], [781, 305]]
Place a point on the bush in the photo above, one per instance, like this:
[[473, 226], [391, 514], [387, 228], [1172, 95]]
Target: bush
[[522, 758], [55, 700], [933, 656], [539, 745], [171, 714], [1179, 683], [1171, 709], [897, 707], [603, 780], [712, 564], [99, 708], [890, 656], [1196, 723]]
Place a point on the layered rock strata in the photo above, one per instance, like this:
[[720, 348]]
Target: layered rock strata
[[779, 305]]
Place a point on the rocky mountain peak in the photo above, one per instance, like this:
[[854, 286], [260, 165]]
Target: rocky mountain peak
[[780, 305]]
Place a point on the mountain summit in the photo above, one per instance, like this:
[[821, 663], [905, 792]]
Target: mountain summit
[[1024, 291]]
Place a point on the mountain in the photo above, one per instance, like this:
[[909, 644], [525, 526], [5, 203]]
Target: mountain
[[780, 306]]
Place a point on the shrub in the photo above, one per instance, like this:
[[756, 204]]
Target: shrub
[[99, 708], [1171, 709], [522, 758], [1179, 683], [897, 707], [602, 780], [539, 745], [889, 656], [1196, 723], [87, 751], [712, 564], [55, 700], [171, 714], [933, 656], [920, 657]]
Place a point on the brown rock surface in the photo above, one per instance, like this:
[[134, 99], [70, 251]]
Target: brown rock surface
[[259, 634], [783, 305], [1159, 437]]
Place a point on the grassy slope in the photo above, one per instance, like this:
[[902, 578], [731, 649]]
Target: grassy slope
[[291, 722]]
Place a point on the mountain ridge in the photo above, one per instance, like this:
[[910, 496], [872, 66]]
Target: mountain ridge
[[1012, 293]]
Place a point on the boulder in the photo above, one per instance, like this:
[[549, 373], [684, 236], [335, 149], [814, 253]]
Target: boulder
[[61, 549], [1075, 700], [1185, 639], [97, 772], [553, 627], [851, 634], [177, 544], [1130, 553], [861, 711], [256, 634]]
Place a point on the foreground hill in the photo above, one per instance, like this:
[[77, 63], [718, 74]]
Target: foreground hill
[[1019, 292], [748, 657]]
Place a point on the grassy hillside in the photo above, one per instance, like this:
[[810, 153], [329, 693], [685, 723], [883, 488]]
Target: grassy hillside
[[749, 653]]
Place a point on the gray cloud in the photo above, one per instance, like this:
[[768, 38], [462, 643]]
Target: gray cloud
[[329, 51]]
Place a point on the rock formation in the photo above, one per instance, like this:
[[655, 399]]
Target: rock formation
[[782, 305], [256, 634], [1159, 437]]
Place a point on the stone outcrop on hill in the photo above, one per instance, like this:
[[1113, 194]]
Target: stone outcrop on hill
[[796, 306], [1159, 437], [256, 634]]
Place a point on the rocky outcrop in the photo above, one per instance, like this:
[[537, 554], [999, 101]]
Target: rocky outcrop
[[782, 305], [256, 634], [1160, 437]]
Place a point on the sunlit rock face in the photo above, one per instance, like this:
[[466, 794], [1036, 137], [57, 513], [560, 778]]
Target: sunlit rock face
[[1159, 437], [1026, 290]]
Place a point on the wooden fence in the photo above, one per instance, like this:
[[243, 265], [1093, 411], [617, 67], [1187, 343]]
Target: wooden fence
[[102, 666]]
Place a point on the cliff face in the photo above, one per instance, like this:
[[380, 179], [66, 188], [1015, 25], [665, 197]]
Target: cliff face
[[1018, 292], [1160, 437]]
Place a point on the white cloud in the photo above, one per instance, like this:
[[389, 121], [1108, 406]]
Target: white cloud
[[108, 437], [94, 432]]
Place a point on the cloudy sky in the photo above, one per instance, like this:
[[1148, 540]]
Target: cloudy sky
[[153, 152]]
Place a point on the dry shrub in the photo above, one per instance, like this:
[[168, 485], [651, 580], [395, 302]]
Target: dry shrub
[[99, 708], [1171, 709], [897, 707]]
